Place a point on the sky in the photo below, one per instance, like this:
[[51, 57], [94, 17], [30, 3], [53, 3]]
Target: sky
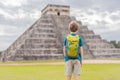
[[101, 16]]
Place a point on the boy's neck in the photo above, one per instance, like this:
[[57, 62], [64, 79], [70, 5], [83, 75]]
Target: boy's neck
[[72, 32]]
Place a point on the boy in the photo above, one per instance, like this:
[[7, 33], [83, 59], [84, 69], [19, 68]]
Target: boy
[[73, 52]]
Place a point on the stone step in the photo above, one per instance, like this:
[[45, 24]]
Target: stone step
[[44, 31], [40, 25], [100, 47], [92, 36], [99, 55], [40, 41], [36, 32], [44, 27], [86, 32], [62, 17], [95, 43], [46, 24], [105, 41], [89, 34], [42, 38], [79, 22], [98, 44], [37, 51], [45, 56], [107, 56], [109, 50], [45, 17], [44, 35], [83, 28], [39, 48], [96, 40], [106, 53], [45, 20], [27, 46], [93, 40]]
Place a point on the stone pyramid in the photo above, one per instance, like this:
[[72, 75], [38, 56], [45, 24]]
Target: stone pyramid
[[44, 39]]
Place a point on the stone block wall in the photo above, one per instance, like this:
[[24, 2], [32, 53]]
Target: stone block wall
[[44, 40]]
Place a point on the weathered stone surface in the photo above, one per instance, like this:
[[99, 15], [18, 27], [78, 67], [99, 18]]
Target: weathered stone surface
[[44, 40]]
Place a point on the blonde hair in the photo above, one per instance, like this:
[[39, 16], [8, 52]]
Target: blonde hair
[[73, 26]]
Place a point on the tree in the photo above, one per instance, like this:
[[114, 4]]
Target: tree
[[115, 43], [0, 52], [118, 44]]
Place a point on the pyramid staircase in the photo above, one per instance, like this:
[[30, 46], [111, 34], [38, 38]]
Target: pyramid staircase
[[95, 46], [44, 40], [98, 47], [40, 41]]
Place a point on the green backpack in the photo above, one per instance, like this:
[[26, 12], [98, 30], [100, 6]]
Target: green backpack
[[72, 46]]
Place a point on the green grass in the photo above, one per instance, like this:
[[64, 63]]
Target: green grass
[[101, 72], [56, 72]]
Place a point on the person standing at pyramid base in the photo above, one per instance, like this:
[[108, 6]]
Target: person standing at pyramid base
[[73, 52]]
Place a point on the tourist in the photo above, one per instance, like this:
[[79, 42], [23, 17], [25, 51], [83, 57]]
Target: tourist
[[73, 52]]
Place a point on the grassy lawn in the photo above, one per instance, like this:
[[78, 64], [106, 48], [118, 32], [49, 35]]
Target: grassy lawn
[[56, 72]]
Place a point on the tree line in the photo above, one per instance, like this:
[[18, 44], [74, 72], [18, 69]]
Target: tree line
[[115, 43], [0, 52]]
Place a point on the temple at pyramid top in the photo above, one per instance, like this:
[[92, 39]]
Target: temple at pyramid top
[[56, 10]]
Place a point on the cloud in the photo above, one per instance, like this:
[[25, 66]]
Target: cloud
[[11, 27], [6, 41], [13, 3], [97, 20], [20, 14], [1, 31], [103, 23], [35, 14], [110, 5], [8, 34], [19, 18], [7, 30], [102, 16]]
